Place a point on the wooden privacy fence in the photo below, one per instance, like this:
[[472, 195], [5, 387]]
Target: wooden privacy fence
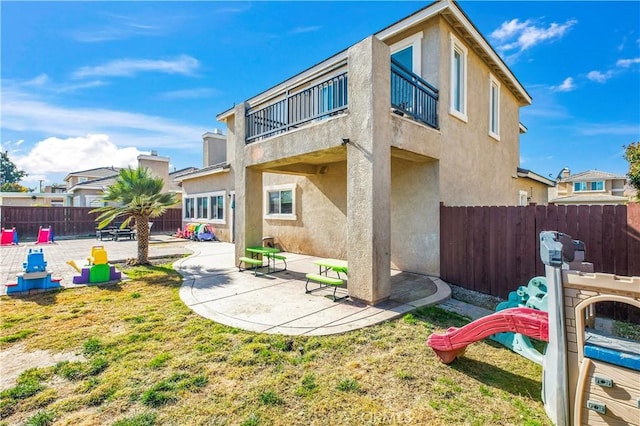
[[71, 221], [494, 250]]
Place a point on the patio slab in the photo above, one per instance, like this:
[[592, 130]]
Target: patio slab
[[276, 303], [214, 288]]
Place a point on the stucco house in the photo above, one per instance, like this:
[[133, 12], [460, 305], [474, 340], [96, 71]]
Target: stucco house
[[590, 187], [85, 187], [533, 188], [352, 157]]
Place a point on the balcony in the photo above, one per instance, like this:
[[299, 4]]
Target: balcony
[[293, 109], [327, 95], [412, 96]]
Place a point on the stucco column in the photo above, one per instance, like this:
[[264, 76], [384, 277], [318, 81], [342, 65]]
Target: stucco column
[[369, 172], [248, 184]]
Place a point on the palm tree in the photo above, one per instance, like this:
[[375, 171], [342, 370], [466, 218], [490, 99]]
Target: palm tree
[[138, 196]]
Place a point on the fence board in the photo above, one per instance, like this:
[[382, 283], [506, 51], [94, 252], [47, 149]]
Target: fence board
[[70, 221], [494, 250]]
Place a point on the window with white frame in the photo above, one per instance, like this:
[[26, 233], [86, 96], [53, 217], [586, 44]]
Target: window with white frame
[[494, 107], [458, 104], [280, 202], [409, 52], [588, 186], [217, 207], [207, 207]]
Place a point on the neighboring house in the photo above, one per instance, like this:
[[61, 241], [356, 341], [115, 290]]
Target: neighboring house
[[590, 187], [352, 157], [208, 193], [32, 199], [533, 188], [86, 187]]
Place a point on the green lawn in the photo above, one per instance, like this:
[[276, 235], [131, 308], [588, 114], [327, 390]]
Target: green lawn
[[150, 360]]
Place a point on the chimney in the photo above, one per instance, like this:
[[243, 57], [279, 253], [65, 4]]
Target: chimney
[[157, 165], [214, 148]]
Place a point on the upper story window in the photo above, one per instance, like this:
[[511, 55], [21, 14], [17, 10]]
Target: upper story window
[[458, 105], [82, 179], [208, 207], [409, 52], [588, 186], [280, 202], [494, 107]]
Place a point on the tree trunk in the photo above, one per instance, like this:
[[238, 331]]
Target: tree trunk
[[142, 231]]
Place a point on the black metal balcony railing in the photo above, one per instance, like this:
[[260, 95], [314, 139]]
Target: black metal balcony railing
[[413, 96], [318, 101]]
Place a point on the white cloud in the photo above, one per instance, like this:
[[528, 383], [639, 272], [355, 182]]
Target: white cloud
[[619, 129], [514, 37], [55, 155], [626, 63], [566, 86], [599, 77], [183, 64], [23, 112], [201, 92], [508, 29], [301, 30]]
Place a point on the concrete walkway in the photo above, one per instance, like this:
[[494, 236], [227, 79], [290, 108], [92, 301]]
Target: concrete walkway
[[277, 303]]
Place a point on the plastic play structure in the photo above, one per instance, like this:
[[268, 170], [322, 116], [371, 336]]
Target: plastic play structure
[[97, 270], [196, 232], [589, 377], [45, 235], [534, 295], [9, 237], [35, 275]]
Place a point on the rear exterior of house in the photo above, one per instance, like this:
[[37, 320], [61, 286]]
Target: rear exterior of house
[[351, 158]]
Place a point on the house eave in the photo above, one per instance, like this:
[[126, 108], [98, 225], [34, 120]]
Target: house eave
[[524, 173], [202, 173]]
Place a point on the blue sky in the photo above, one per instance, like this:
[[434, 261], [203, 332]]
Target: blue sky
[[89, 84]]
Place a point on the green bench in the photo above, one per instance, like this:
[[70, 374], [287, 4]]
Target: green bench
[[327, 281], [249, 261], [279, 257]]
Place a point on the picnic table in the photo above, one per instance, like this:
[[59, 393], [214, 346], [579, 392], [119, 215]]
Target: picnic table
[[259, 253], [324, 279]]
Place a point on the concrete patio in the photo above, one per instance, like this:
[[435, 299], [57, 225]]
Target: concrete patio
[[277, 302], [215, 289]]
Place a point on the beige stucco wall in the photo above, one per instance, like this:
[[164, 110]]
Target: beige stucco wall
[[320, 227], [476, 169], [537, 191], [223, 181], [415, 216], [22, 201], [158, 166]]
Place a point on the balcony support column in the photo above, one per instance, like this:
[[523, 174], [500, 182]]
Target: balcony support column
[[248, 184], [369, 172]]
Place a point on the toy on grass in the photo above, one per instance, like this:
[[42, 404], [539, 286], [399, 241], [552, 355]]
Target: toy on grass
[[45, 235], [98, 269], [534, 295], [9, 237], [35, 275], [590, 375]]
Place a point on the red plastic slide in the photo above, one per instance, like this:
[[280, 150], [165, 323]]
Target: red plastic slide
[[453, 343]]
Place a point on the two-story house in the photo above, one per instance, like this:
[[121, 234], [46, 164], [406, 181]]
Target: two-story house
[[85, 187], [590, 187], [352, 157]]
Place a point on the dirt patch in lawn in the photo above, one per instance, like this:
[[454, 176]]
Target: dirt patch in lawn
[[16, 359]]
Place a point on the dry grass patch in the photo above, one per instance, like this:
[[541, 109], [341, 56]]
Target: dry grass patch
[[151, 360]]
